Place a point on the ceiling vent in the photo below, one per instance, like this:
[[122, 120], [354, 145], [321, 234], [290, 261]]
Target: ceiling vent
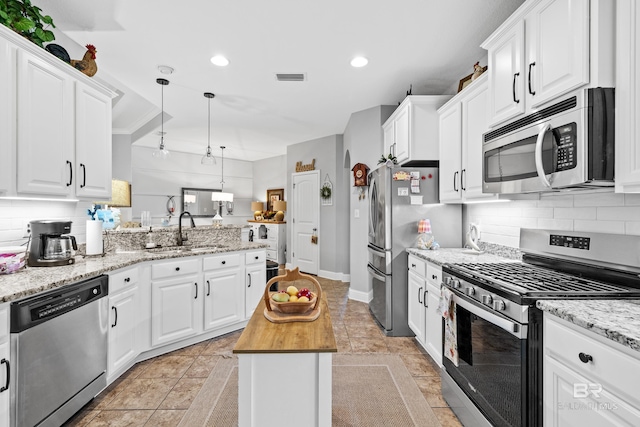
[[291, 77]]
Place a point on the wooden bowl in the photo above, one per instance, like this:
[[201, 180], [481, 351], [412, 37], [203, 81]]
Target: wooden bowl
[[293, 307]]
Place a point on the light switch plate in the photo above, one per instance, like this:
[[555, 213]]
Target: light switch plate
[[403, 191], [356, 213]]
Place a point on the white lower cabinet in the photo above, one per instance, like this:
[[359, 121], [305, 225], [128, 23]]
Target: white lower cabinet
[[588, 379], [255, 280], [5, 365], [424, 298], [175, 300], [223, 291], [123, 322]]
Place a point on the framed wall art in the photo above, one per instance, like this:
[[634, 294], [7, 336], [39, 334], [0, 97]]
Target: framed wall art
[[273, 196]]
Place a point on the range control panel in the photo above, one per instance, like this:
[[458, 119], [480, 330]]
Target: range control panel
[[570, 241]]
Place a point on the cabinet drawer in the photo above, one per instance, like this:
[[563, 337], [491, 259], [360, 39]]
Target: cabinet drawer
[[418, 266], [175, 268], [434, 274], [221, 261], [255, 257], [612, 368], [272, 254], [121, 279]]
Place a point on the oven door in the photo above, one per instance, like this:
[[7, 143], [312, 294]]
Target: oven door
[[492, 361]]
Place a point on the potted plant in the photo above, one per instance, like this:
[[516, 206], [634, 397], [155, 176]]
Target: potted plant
[[27, 20]]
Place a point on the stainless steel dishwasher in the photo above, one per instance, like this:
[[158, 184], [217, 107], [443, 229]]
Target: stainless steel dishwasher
[[59, 345]]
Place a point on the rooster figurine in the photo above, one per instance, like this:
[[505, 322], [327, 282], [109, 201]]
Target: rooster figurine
[[87, 64]]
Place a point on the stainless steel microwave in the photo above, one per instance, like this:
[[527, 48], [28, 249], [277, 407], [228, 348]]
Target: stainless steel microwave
[[569, 144]]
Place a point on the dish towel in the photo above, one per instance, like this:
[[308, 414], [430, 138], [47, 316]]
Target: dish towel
[[448, 309]]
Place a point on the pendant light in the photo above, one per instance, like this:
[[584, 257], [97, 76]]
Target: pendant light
[[161, 152], [208, 158], [221, 196]]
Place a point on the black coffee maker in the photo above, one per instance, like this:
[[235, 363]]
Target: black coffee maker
[[50, 244]]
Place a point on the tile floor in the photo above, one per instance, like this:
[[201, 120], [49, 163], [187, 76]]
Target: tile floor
[[158, 391]]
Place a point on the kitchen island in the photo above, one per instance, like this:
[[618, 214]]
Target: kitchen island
[[284, 371]]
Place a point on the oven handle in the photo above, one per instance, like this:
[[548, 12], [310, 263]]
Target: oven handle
[[375, 274], [513, 328], [539, 167]]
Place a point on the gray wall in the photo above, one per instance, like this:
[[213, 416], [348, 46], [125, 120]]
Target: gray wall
[[271, 173], [327, 153], [363, 143]]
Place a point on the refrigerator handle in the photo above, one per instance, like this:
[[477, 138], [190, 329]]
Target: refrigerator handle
[[375, 274]]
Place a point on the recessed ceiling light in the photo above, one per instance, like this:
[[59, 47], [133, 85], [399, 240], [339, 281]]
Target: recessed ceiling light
[[165, 69], [220, 61], [359, 61]]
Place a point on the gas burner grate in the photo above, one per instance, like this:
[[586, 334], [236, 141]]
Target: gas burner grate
[[527, 279]]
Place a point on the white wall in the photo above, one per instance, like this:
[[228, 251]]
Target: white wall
[[272, 174], [153, 180], [596, 212]]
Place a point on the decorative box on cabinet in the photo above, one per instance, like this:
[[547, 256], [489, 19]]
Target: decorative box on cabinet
[[411, 132], [463, 120], [60, 130], [627, 97], [588, 379], [547, 48], [424, 297]]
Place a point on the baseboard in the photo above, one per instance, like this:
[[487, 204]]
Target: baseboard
[[360, 296], [332, 275]]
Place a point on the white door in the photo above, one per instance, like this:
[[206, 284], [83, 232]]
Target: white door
[[255, 281], [7, 114], [306, 221], [173, 309], [122, 331], [416, 307], [223, 298], [450, 146]]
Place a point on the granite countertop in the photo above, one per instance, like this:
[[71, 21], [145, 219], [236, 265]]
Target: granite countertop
[[617, 320], [32, 280], [455, 255]]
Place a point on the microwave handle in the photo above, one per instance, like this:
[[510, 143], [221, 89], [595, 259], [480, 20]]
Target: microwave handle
[[539, 167]]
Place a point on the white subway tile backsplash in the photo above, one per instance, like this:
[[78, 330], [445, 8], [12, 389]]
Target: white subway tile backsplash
[[614, 227], [627, 213], [632, 199], [511, 241], [632, 228], [537, 212], [575, 213], [555, 201], [598, 199], [555, 224]]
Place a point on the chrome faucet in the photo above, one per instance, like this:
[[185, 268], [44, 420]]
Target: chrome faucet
[[181, 239]]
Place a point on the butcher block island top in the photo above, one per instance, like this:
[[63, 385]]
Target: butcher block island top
[[262, 336]]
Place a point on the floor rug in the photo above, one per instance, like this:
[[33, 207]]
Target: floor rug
[[368, 390]]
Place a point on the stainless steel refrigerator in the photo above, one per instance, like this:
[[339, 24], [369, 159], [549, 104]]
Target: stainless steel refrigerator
[[398, 198]]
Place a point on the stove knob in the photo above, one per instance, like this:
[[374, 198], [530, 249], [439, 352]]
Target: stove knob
[[499, 305], [455, 283], [470, 291], [487, 299], [447, 280]]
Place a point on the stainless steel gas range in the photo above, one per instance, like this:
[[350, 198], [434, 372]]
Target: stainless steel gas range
[[492, 372]]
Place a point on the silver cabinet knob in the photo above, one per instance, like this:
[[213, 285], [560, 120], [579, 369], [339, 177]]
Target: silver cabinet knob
[[487, 299], [470, 291], [499, 305]]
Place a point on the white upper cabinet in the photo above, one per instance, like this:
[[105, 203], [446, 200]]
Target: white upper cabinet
[[93, 143], [628, 97], [55, 125], [463, 121], [411, 132], [7, 114], [45, 148], [545, 49]]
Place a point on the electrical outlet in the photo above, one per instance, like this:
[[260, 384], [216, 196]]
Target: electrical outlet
[[26, 230]]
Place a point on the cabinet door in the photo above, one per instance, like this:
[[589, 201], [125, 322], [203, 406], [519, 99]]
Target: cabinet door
[[403, 134], [450, 147], [627, 96], [389, 138], [7, 116], [93, 143], [433, 324], [557, 40], [5, 400], [45, 140], [506, 77], [223, 298], [474, 125], [416, 312], [256, 280], [123, 321], [174, 309], [571, 399]]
